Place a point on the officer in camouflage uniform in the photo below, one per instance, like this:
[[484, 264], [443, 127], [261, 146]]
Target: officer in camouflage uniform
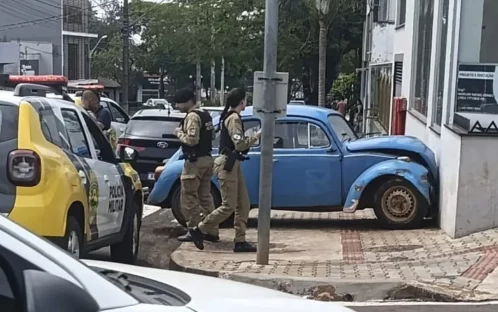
[[234, 145], [196, 135]]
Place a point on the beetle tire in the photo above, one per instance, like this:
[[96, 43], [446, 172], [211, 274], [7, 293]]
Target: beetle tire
[[405, 190], [180, 217]]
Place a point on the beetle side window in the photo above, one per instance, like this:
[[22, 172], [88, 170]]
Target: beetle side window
[[292, 135], [318, 138], [76, 135]]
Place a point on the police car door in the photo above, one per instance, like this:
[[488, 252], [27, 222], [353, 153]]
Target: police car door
[[111, 211]]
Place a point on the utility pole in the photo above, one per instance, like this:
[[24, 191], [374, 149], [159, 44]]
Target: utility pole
[[268, 129], [126, 56], [222, 82], [198, 83]]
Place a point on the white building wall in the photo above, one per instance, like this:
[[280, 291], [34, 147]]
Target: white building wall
[[382, 44]]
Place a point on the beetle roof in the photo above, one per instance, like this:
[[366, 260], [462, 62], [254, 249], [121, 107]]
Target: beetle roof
[[309, 111]]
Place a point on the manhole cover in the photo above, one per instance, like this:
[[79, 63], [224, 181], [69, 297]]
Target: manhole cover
[[397, 248]]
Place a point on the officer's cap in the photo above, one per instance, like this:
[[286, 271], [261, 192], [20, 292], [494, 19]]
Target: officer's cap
[[184, 95]]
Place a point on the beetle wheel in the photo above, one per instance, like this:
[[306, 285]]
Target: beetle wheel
[[399, 205]]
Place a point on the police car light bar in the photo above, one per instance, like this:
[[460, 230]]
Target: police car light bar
[[43, 80], [90, 87]]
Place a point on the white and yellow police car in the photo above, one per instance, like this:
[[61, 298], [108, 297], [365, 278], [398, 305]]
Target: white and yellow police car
[[59, 176]]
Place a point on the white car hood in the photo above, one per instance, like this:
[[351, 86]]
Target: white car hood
[[211, 294]]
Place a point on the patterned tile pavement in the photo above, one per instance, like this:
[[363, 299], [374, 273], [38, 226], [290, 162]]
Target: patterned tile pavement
[[352, 247]]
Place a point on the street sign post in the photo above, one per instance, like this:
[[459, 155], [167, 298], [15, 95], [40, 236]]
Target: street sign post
[[280, 83], [268, 112]]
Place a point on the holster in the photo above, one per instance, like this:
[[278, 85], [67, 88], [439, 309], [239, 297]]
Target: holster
[[230, 161], [190, 157]]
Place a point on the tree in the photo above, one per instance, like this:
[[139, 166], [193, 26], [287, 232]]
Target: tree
[[325, 12]]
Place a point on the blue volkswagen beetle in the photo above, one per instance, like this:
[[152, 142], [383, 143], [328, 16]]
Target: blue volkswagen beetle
[[320, 164]]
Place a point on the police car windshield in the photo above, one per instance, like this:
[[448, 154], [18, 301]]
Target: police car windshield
[[152, 127]]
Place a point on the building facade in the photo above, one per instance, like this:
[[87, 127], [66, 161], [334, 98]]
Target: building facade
[[445, 63], [50, 34]]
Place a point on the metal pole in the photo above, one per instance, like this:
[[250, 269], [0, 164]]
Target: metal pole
[[222, 82], [268, 128], [126, 55], [90, 59], [198, 82]]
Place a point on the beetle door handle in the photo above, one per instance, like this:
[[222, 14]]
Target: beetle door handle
[[275, 160]]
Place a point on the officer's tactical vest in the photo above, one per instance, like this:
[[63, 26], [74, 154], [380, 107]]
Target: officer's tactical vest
[[226, 142], [205, 138]]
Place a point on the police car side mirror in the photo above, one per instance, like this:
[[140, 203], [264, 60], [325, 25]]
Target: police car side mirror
[[128, 154]]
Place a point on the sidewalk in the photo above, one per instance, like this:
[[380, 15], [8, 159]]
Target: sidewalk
[[342, 256]]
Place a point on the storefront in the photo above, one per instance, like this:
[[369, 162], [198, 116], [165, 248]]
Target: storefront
[[452, 103], [149, 87]]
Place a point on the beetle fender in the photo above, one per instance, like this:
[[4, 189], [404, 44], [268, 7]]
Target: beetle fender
[[164, 184], [413, 172]]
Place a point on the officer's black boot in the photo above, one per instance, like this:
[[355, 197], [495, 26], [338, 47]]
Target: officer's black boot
[[207, 237], [197, 237], [244, 247]]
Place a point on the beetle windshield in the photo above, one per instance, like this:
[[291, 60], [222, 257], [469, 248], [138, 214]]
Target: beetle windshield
[[342, 128]]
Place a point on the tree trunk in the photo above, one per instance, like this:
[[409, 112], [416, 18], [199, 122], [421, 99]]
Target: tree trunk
[[161, 84], [322, 62], [198, 87], [212, 95], [222, 82]]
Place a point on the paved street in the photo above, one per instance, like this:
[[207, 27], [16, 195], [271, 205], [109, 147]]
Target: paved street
[[428, 308], [360, 260], [157, 240]]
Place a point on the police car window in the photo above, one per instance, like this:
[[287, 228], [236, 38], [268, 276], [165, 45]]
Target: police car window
[[9, 118], [76, 135], [117, 115], [105, 151]]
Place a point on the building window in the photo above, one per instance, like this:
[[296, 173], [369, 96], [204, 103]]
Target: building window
[[73, 61], [73, 15], [423, 57], [437, 112], [400, 21], [384, 11]]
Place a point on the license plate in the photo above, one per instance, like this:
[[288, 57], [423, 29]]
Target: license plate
[[151, 176]]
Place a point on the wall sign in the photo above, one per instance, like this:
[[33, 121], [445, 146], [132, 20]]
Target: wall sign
[[29, 67], [477, 89], [152, 82]]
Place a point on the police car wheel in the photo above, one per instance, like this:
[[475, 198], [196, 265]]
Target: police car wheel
[[399, 205], [126, 251], [178, 211], [73, 239]]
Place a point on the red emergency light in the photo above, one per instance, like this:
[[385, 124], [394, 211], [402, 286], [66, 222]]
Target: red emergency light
[[43, 80], [97, 88]]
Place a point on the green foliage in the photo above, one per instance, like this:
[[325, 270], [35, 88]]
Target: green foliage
[[344, 86], [175, 34]]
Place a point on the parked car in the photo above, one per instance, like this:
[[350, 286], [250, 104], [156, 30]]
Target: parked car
[[158, 102], [214, 111], [60, 176], [297, 102], [150, 132], [36, 276], [320, 164]]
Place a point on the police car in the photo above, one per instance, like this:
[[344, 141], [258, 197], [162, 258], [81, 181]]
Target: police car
[[36, 276], [59, 176]]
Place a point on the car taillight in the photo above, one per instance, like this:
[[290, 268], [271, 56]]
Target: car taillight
[[124, 141], [24, 168]]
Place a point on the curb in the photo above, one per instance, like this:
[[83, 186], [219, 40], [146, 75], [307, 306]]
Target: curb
[[344, 290]]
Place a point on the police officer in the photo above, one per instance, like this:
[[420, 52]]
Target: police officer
[[233, 146], [196, 135], [90, 101]]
